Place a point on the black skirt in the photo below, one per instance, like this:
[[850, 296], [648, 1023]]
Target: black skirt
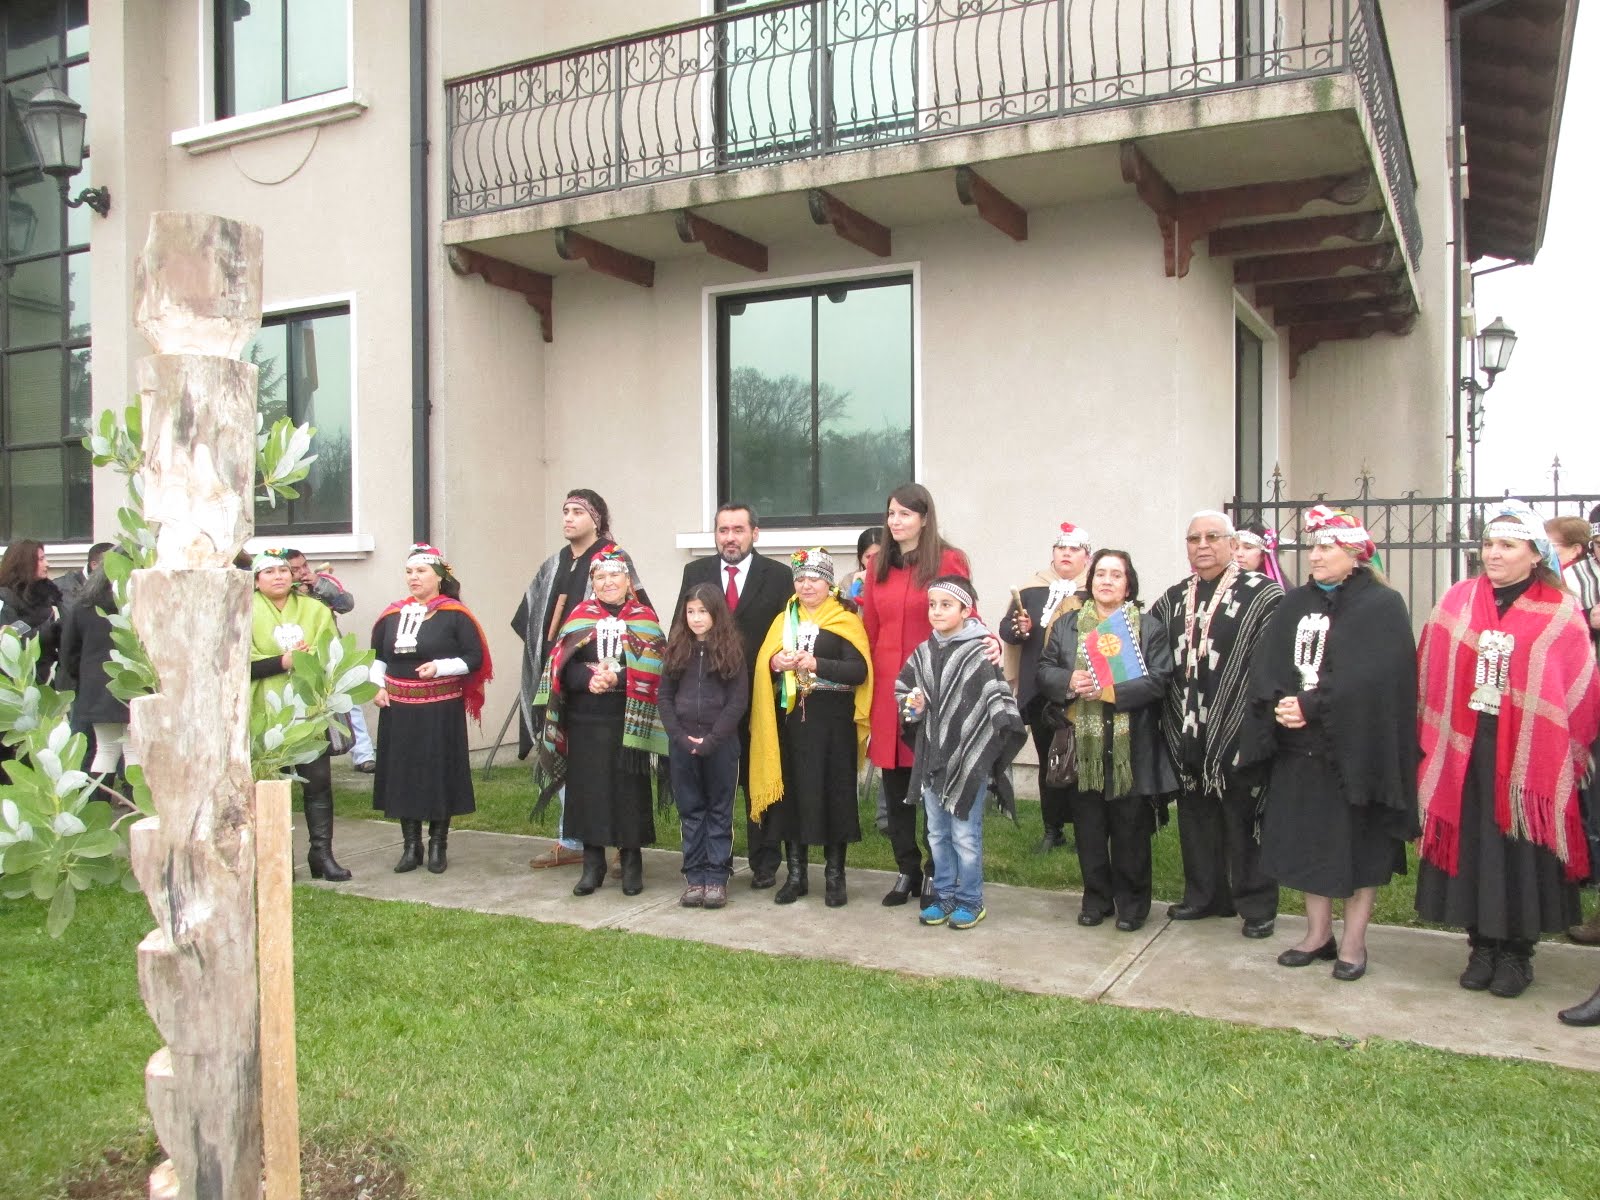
[[424, 773], [608, 797], [1503, 887], [1313, 840], [818, 743]]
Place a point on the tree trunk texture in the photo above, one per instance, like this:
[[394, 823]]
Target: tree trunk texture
[[199, 299]]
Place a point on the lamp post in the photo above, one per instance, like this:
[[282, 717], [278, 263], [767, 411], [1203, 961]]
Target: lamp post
[[54, 122], [1491, 353]]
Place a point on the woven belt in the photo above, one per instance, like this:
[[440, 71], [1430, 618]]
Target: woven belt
[[423, 691]]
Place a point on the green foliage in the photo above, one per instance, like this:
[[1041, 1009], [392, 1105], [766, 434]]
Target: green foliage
[[321, 689], [281, 458]]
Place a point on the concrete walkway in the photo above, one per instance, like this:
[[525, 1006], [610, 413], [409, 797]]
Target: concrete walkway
[[1030, 941]]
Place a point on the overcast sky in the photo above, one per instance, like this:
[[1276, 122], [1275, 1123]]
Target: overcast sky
[[1548, 400]]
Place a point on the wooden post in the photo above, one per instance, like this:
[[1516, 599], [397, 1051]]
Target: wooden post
[[198, 301], [280, 1101]]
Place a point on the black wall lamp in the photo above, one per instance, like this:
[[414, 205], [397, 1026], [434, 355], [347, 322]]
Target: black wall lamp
[[54, 122]]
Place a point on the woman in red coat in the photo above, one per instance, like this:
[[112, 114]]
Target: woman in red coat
[[894, 609]]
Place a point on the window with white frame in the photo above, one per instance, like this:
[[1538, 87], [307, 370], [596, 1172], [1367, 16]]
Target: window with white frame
[[269, 52], [815, 391], [304, 360]]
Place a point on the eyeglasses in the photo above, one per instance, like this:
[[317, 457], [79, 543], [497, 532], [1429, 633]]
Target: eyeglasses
[[1194, 539]]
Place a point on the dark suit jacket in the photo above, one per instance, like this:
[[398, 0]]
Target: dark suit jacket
[[767, 589]]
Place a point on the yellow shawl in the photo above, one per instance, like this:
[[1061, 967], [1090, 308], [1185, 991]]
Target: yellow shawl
[[765, 784]]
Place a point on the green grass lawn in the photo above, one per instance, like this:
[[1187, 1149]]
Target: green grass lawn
[[499, 1058]]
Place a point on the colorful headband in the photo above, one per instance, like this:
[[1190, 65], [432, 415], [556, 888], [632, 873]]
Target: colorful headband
[[1334, 526], [1517, 519], [815, 561], [587, 506], [1070, 536], [609, 561], [268, 558], [953, 589]]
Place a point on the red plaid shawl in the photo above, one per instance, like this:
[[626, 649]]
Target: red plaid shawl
[[1548, 718], [472, 684]]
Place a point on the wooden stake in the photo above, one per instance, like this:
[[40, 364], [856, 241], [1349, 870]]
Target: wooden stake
[[280, 1099]]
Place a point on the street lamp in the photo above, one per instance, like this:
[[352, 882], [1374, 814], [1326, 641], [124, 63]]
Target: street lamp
[[1492, 354], [54, 122]]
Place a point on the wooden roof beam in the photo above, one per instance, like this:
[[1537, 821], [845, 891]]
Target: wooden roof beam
[[537, 288], [1327, 291], [607, 260], [1308, 234], [721, 242], [1316, 264], [993, 205], [854, 227], [1342, 310]]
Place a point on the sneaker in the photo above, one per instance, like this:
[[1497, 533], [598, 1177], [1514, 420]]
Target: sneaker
[[370, 767], [933, 914], [716, 896], [964, 918], [694, 896]]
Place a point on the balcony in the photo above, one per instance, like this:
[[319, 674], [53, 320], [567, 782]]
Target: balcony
[[1195, 102]]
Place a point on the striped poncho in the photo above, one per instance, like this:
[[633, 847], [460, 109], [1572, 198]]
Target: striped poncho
[[970, 729]]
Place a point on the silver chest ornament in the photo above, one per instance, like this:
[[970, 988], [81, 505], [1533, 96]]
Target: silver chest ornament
[[805, 642], [609, 633], [1493, 673], [410, 623], [1310, 642], [288, 636]]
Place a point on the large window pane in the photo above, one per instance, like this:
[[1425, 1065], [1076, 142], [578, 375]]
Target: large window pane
[[318, 47], [80, 393], [33, 397], [33, 303], [33, 215], [78, 295], [33, 34], [18, 149], [768, 391], [252, 37], [79, 512], [863, 396], [273, 51], [77, 27], [38, 508]]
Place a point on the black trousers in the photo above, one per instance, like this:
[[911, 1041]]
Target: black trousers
[[1221, 857], [762, 845], [1113, 839], [909, 858], [1055, 803]]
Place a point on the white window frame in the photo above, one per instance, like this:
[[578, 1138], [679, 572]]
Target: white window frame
[[1271, 397]]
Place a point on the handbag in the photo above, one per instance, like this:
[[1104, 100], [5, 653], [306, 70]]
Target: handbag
[[340, 739], [1061, 764]]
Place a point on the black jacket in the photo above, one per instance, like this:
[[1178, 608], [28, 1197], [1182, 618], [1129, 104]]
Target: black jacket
[[37, 607], [767, 589], [700, 703], [85, 649]]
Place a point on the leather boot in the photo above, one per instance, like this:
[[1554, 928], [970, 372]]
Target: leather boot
[[632, 871], [319, 825], [1587, 1013], [438, 836], [411, 855], [1481, 962], [1513, 971], [833, 890], [794, 886], [594, 870], [1587, 934], [905, 886]]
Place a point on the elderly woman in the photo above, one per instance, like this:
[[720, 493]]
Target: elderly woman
[[433, 661], [603, 735], [1510, 706], [1332, 693], [1112, 663], [808, 726]]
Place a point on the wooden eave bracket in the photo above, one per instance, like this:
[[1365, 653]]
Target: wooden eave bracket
[[1303, 338], [1308, 234], [854, 227], [607, 260], [1186, 217], [993, 205], [721, 242], [1327, 291], [535, 287]]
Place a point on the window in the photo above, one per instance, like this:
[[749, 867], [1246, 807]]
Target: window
[[1248, 416], [305, 375], [815, 399], [45, 489], [272, 51]]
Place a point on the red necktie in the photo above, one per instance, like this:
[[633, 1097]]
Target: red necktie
[[733, 588]]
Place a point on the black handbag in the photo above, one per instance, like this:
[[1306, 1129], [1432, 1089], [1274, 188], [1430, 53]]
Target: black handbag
[[1061, 764], [340, 738]]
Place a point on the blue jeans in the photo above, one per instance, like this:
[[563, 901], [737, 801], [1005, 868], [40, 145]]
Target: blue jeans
[[957, 848], [361, 749], [702, 788]]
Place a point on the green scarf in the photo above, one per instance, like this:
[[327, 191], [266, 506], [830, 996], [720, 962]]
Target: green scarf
[[1089, 720]]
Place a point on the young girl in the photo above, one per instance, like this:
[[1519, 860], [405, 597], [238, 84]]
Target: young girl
[[705, 689]]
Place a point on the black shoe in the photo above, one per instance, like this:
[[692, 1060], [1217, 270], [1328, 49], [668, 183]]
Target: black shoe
[[438, 837], [1129, 924], [1481, 965], [594, 871], [1585, 1014], [1513, 972], [834, 894], [319, 827], [1349, 972], [1090, 919], [632, 871], [1188, 912], [905, 886], [761, 880], [1260, 927], [411, 853], [795, 883], [1053, 839], [1327, 952], [370, 767]]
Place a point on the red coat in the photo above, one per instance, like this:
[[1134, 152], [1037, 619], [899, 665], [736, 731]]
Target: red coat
[[895, 613]]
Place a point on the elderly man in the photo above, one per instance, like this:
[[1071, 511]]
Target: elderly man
[[1214, 619], [1026, 627]]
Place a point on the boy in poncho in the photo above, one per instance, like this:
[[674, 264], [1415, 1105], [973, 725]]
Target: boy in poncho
[[964, 726]]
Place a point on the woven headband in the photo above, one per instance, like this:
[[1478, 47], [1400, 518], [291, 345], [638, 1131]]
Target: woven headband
[[953, 589], [594, 513]]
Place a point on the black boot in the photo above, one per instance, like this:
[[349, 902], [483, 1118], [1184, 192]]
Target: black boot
[[438, 836], [319, 825], [795, 885], [411, 855], [905, 886], [1513, 971], [1587, 1013], [1481, 962], [632, 871], [594, 870], [833, 891]]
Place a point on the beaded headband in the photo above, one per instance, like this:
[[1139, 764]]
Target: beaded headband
[[815, 561], [953, 589]]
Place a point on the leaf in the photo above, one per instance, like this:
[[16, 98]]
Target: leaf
[[61, 910], [68, 825], [10, 813], [97, 843]]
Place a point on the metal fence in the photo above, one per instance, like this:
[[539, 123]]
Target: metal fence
[[1426, 542], [801, 78]]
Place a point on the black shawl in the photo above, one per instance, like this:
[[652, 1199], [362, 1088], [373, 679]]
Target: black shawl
[[1366, 694]]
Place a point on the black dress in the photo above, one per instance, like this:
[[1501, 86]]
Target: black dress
[[818, 744], [608, 789], [1504, 887], [424, 773]]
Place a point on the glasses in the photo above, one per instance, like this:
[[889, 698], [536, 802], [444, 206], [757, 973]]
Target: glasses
[[1194, 539]]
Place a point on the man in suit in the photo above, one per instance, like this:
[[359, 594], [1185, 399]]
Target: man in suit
[[757, 588]]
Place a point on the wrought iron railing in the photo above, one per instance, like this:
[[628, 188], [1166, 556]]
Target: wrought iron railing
[[801, 78]]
